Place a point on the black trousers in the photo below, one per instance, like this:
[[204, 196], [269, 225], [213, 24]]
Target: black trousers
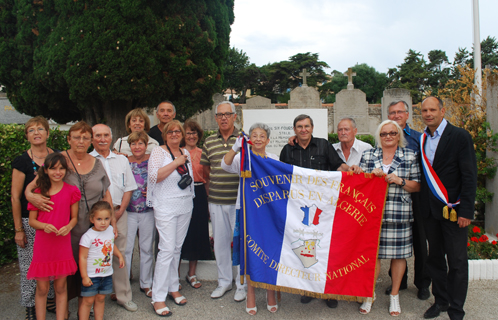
[[448, 242]]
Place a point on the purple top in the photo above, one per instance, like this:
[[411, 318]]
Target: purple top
[[137, 202]]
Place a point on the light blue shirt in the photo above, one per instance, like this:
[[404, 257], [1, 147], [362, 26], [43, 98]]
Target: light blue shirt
[[433, 141]]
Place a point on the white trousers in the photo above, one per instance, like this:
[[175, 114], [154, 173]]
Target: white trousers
[[145, 223], [223, 223], [172, 228]]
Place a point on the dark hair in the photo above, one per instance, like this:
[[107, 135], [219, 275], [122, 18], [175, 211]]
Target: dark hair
[[194, 126], [43, 182], [99, 206], [302, 117]]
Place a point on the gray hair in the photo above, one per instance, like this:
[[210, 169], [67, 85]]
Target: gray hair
[[225, 102], [353, 123], [402, 140], [110, 130], [396, 102], [302, 117], [168, 102], [262, 126], [440, 102]]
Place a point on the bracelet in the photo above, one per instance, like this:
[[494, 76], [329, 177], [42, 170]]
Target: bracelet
[[21, 229]]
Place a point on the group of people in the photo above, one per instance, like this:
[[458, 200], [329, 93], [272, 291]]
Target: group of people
[[163, 188]]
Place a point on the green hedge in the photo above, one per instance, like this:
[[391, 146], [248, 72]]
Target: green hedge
[[13, 143]]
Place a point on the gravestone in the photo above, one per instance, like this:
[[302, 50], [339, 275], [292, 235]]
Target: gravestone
[[258, 102], [304, 97], [352, 103], [397, 94], [491, 222], [206, 119]]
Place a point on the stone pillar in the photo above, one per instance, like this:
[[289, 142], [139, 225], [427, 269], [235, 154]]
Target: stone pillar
[[352, 103], [491, 222]]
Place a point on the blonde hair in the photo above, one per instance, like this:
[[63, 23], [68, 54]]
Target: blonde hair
[[402, 140], [138, 112]]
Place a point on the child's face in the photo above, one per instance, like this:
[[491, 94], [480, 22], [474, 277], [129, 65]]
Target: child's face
[[56, 173], [101, 220]]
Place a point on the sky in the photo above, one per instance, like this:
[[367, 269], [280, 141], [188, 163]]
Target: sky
[[346, 32]]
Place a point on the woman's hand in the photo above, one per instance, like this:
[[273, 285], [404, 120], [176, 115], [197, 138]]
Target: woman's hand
[[392, 178], [21, 239], [378, 172], [181, 160], [39, 201], [356, 169]]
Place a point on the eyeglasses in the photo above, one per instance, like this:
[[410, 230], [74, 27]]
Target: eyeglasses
[[40, 130], [191, 133], [224, 115], [392, 134], [393, 113], [78, 138], [171, 132]]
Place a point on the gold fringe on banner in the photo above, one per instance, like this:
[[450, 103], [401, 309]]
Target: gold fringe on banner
[[368, 175], [350, 173], [453, 216], [304, 292], [445, 212], [246, 174]]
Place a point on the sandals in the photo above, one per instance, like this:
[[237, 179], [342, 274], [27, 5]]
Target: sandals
[[193, 281], [30, 313], [159, 312], [394, 307], [270, 308], [367, 305], [178, 300], [249, 310], [147, 291], [51, 305], [114, 297]]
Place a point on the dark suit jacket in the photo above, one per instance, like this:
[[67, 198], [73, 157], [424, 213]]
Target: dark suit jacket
[[456, 166]]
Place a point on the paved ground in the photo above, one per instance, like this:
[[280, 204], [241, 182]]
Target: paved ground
[[482, 303]]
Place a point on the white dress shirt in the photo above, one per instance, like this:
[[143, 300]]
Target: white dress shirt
[[356, 151], [119, 172]]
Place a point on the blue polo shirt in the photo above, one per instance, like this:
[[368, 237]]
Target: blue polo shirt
[[412, 138]]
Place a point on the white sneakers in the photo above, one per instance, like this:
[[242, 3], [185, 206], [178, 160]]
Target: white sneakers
[[220, 291], [240, 295], [130, 306]]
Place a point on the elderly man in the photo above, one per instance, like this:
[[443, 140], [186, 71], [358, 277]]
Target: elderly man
[[449, 151], [222, 195], [398, 111], [313, 153], [165, 112], [349, 148], [122, 185]]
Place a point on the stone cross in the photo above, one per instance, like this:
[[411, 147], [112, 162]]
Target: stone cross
[[304, 74], [350, 75]]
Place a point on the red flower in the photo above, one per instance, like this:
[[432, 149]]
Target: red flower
[[474, 239], [493, 243], [468, 244], [476, 229], [483, 238]]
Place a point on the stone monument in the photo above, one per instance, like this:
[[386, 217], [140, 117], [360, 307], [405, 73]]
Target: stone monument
[[396, 94], [352, 103], [304, 97], [258, 102], [491, 225]]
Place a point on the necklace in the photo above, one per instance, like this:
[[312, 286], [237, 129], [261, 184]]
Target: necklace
[[33, 155], [34, 163]]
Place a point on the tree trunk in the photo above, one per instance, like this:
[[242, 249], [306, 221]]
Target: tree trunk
[[114, 116]]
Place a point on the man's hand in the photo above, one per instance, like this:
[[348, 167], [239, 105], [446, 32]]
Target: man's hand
[[292, 140], [463, 222]]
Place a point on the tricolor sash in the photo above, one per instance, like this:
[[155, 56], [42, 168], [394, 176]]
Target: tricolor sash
[[435, 184]]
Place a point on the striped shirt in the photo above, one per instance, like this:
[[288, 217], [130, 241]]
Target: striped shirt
[[223, 186]]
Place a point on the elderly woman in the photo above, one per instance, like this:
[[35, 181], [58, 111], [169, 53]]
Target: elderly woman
[[24, 170], [259, 134], [196, 245], [88, 174], [135, 120], [170, 192], [400, 168], [140, 216]]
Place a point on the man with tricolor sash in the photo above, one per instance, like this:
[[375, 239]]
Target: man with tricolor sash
[[448, 188]]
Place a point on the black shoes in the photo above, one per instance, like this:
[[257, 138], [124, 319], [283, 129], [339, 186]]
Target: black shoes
[[331, 303], [423, 293], [306, 299], [435, 310], [401, 287]]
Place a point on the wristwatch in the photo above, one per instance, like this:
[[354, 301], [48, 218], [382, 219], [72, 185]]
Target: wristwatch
[[403, 182]]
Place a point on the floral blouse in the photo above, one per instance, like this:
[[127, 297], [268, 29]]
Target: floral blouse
[[138, 200]]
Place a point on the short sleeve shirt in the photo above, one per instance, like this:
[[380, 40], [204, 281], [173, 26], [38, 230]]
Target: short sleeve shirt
[[100, 246], [223, 186]]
